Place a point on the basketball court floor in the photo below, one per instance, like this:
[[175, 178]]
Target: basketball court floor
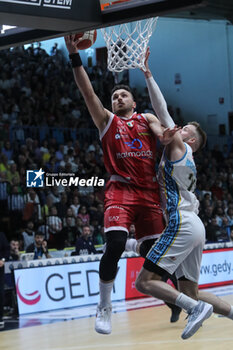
[[137, 324]]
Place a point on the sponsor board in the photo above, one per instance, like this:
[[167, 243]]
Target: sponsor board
[[62, 4], [62, 286], [216, 268], [55, 287]]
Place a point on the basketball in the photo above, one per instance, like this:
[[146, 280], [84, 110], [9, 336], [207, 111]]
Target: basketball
[[87, 39]]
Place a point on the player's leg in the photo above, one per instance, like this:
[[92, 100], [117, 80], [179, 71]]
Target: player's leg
[[148, 230], [188, 273], [115, 245], [220, 306], [175, 310], [150, 283], [169, 253], [142, 248], [116, 223]]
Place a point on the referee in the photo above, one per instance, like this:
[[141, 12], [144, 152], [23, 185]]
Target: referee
[[4, 254]]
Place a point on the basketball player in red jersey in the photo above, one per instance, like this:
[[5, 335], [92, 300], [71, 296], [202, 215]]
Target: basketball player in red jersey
[[132, 194]]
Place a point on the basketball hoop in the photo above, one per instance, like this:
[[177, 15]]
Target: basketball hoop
[[127, 44]]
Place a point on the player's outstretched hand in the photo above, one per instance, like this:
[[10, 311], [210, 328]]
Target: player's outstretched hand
[[71, 43], [147, 71], [168, 134]]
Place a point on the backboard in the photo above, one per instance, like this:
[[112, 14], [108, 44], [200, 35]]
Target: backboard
[[38, 20]]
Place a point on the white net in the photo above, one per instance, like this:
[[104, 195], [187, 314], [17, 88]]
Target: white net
[[127, 44]]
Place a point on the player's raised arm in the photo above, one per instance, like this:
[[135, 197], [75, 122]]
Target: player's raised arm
[[99, 114], [157, 100], [165, 135]]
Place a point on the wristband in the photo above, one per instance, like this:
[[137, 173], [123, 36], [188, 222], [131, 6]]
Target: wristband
[[75, 60]]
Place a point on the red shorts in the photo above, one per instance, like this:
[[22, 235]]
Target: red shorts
[[125, 205]]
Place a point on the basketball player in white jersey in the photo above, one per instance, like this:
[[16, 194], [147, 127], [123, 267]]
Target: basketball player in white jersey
[[179, 248]]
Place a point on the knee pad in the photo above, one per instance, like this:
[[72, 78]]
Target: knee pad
[[115, 246], [115, 243]]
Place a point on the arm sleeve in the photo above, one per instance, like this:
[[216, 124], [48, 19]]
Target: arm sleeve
[[159, 104]]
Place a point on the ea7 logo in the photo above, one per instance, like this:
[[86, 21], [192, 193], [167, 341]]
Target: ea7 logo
[[114, 218]]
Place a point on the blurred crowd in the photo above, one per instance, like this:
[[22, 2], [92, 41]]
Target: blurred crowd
[[38, 92]]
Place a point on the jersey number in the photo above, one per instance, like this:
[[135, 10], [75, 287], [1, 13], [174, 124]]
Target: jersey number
[[192, 182]]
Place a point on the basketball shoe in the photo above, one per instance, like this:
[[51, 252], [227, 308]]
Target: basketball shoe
[[103, 320], [196, 316]]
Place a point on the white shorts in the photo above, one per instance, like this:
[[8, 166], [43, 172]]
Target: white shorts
[[180, 247]]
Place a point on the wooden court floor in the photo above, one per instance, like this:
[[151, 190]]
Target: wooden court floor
[[140, 329]]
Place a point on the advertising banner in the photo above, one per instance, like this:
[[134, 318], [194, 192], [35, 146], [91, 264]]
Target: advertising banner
[[216, 268], [61, 286], [54, 287]]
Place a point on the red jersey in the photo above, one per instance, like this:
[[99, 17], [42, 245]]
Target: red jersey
[[129, 148]]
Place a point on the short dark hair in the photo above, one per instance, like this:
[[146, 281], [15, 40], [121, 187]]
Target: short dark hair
[[124, 87], [202, 137], [39, 233]]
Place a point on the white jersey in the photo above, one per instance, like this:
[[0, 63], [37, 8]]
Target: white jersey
[[177, 182]]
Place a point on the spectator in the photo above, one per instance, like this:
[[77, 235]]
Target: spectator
[[99, 214], [14, 250], [62, 206], [75, 206], [79, 226], [4, 167], [69, 232], [4, 254], [132, 231], [230, 216], [39, 247], [55, 226], [54, 50], [216, 189], [32, 209], [69, 214], [45, 210], [99, 236], [83, 215], [84, 244], [219, 214], [231, 234], [214, 233], [54, 195], [12, 172], [206, 216], [60, 153], [7, 150], [4, 191], [225, 230], [28, 234], [15, 207]]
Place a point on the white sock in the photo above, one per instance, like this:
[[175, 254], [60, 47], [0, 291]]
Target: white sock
[[185, 302], [231, 313], [131, 245], [105, 293]]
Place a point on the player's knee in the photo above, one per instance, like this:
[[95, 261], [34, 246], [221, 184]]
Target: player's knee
[[115, 244], [141, 283]]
